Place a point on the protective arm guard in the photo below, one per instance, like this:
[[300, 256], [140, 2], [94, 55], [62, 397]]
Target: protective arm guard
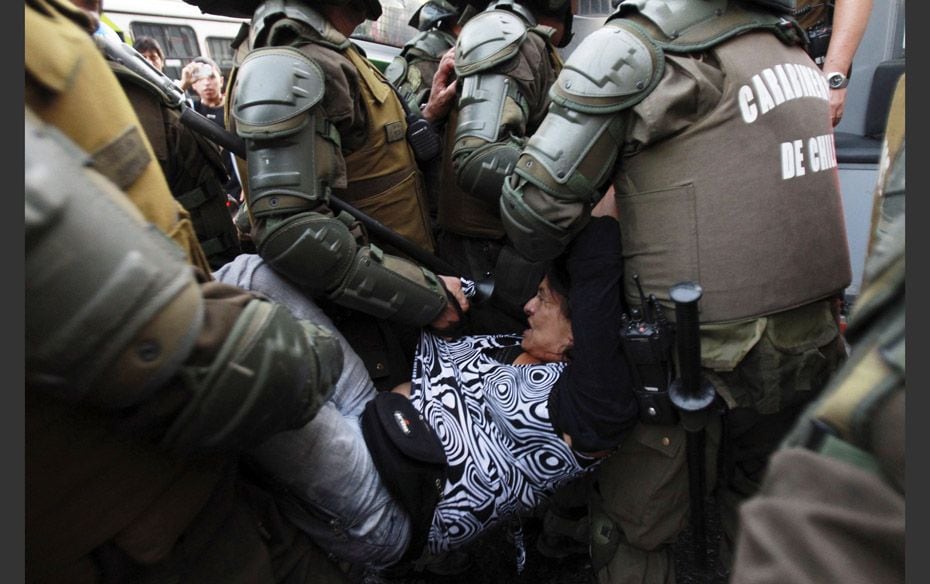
[[110, 314], [272, 373], [558, 177], [291, 150], [320, 254], [114, 318], [492, 111]]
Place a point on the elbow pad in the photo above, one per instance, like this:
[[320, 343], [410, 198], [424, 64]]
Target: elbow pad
[[112, 307], [272, 373], [291, 151], [483, 170], [320, 254], [532, 234], [390, 287]]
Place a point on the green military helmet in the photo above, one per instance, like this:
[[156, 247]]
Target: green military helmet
[[245, 8], [431, 12]]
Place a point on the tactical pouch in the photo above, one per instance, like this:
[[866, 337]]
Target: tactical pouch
[[655, 407], [410, 459]]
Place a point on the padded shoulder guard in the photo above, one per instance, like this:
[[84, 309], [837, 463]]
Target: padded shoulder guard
[[270, 12], [614, 68], [488, 39], [275, 86], [684, 26]]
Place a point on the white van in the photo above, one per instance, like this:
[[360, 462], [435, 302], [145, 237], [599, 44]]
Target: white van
[[184, 32]]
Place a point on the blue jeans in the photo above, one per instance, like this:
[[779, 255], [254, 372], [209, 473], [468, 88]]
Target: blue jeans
[[328, 483]]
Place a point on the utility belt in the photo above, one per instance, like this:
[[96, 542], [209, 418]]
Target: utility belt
[[410, 460]]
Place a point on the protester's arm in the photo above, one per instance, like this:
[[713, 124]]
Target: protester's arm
[[593, 400]]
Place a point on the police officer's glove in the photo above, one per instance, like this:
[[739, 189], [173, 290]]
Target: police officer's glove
[[451, 321]]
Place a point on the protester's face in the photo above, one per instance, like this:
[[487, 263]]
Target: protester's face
[[207, 82], [155, 59], [550, 332]]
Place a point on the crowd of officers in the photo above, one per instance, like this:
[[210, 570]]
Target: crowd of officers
[[134, 418]]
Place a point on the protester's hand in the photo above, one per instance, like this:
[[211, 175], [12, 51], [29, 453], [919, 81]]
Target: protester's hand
[[607, 205], [451, 318], [442, 93]]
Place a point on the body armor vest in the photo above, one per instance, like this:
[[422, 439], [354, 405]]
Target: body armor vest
[[772, 240], [384, 180]]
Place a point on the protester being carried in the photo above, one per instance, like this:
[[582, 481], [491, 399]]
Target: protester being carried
[[509, 419]]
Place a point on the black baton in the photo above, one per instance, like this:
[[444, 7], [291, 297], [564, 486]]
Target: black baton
[[692, 395]]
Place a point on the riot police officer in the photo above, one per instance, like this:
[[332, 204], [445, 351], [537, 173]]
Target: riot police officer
[[144, 379], [318, 118], [506, 58], [832, 505], [711, 124]]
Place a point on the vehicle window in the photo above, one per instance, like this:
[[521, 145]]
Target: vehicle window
[[392, 28], [220, 50], [178, 41], [595, 7]]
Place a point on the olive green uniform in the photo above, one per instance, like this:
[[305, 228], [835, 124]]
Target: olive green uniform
[[710, 171], [133, 418], [342, 132]]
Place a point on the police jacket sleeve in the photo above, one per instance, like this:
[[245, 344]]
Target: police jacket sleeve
[[593, 399]]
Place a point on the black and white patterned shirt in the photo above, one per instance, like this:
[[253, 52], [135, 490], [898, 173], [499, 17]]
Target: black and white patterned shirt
[[492, 418]]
